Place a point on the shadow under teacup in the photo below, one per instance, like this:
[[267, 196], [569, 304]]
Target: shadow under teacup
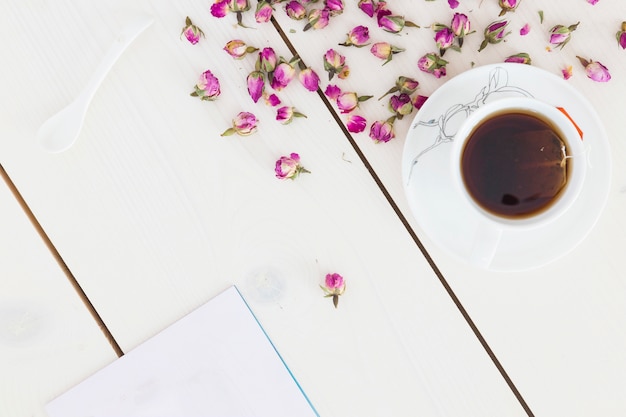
[[520, 164]]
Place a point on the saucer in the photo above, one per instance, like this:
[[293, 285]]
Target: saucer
[[446, 217]]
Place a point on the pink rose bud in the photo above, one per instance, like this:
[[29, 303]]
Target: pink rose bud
[[432, 64], [508, 5], [219, 8], [346, 102], [288, 167], [404, 85], [238, 49], [318, 19], [333, 63], [334, 286], [192, 32], [460, 26], [267, 60], [283, 74], [368, 7], [595, 70], [621, 36], [495, 32], [401, 105], [295, 10], [256, 85], [239, 5], [355, 123], [560, 35], [334, 6], [263, 12], [444, 38], [384, 50], [244, 124], [382, 131], [521, 58], [286, 114], [389, 22], [358, 36], [208, 87], [309, 79]]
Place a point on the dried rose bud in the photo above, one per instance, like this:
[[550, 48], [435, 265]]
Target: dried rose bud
[[238, 48], [219, 8], [192, 32], [356, 123], [244, 124], [508, 6], [263, 12], [560, 35], [382, 131], [358, 36], [208, 87], [368, 7], [495, 32], [288, 167], [384, 50], [335, 7], [621, 36], [267, 60], [521, 58], [392, 23], [256, 85], [401, 105], [295, 10], [404, 85], [334, 286], [595, 70], [460, 26], [334, 63], [282, 75], [444, 37], [318, 19], [286, 114], [432, 64]]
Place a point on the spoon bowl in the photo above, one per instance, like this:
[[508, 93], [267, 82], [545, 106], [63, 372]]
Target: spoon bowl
[[60, 131]]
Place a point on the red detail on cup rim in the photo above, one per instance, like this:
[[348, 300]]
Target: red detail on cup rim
[[580, 132]]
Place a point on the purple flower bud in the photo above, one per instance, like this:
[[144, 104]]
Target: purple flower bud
[[508, 5], [219, 8], [295, 10], [560, 35], [460, 25], [346, 102], [382, 131], [595, 70], [256, 85], [495, 32], [401, 105], [263, 12], [356, 124], [453, 4], [239, 5], [432, 64], [318, 19], [368, 7], [332, 91], [419, 101], [592, 2], [286, 114], [384, 50], [443, 39], [288, 167], [521, 58], [334, 63], [267, 60], [283, 74], [208, 87], [335, 7], [244, 124], [334, 286], [192, 32], [309, 79], [358, 36]]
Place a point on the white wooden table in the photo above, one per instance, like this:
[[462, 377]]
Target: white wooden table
[[152, 213]]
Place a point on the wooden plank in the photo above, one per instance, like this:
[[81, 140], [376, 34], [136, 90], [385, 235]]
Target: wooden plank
[[48, 339], [552, 328], [155, 213]]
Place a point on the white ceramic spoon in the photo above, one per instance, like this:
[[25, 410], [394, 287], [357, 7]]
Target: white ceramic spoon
[[60, 131]]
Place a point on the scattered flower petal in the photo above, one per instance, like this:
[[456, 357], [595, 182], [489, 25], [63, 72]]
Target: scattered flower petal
[[595, 70], [332, 91], [271, 100], [419, 101], [356, 124], [334, 286], [524, 30], [288, 167], [567, 72], [244, 124]]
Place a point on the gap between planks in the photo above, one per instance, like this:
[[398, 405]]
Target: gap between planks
[[57, 257], [410, 230]]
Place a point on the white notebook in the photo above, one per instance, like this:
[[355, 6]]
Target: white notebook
[[215, 362]]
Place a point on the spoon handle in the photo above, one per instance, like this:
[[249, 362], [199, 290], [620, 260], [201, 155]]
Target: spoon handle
[[123, 40]]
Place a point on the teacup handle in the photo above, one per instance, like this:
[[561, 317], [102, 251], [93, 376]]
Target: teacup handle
[[485, 244]]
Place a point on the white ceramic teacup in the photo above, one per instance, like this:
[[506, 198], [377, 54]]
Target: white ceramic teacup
[[491, 226]]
